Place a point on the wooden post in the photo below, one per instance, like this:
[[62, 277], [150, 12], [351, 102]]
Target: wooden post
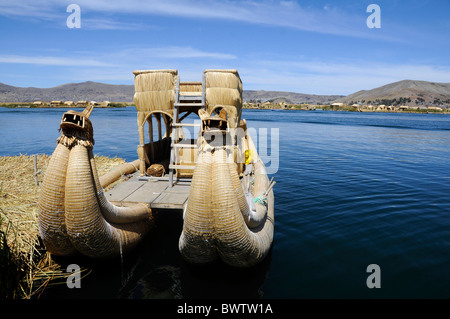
[[141, 123], [158, 118], [36, 171]]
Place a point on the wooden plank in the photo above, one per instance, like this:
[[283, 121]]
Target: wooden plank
[[156, 193], [165, 178], [148, 192], [124, 189], [170, 200], [173, 197], [179, 188]]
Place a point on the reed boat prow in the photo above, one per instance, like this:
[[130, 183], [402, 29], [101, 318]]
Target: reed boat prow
[[217, 179]]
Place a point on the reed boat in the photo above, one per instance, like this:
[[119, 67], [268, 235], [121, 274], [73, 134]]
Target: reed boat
[[215, 179]]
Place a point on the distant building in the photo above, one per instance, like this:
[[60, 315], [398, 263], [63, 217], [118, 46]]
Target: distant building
[[69, 103], [104, 104], [55, 103]]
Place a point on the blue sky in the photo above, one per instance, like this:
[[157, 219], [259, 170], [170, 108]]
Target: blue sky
[[316, 47]]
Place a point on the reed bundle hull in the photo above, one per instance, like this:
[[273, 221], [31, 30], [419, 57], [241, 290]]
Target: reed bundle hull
[[74, 214]]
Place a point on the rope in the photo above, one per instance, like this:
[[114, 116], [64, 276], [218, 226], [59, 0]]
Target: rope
[[121, 175], [260, 200], [131, 163]]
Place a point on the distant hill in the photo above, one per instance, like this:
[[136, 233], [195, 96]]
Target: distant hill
[[403, 92], [94, 91], [287, 97], [89, 91]]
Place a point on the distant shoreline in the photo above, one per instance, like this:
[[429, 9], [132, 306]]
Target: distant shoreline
[[347, 108], [44, 105], [295, 107]]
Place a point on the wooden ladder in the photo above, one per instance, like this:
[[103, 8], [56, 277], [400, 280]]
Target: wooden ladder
[[185, 102]]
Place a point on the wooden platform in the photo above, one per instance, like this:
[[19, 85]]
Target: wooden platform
[[156, 192]]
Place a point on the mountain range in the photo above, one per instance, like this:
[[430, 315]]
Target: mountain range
[[407, 91], [403, 92], [87, 91]]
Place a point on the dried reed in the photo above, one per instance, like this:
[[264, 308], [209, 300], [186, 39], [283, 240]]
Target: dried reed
[[224, 88], [223, 79], [154, 89], [25, 266], [190, 87]]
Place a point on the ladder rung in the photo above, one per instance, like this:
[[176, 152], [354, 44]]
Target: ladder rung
[[184, 145], [190, 97], [179, 166], [185, 124], [189, 104]]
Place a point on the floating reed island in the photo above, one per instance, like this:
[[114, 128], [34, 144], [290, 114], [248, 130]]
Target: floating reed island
[[216, 179], [26, 267]]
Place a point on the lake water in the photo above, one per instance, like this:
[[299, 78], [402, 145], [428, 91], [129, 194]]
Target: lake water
[[353, 189]]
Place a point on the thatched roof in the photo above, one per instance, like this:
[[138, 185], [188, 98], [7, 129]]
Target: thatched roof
[[154, 90]]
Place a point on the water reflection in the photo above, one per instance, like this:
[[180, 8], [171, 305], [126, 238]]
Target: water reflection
[[162, 273], [156, 270]]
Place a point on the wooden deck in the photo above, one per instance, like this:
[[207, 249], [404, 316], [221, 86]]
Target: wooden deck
[[153, 191]]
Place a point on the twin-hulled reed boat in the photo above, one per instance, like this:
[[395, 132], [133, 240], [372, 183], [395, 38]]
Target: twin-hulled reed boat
[[216, 178]]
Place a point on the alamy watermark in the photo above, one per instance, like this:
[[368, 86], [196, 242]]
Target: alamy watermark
[[374, 279], [266, 142], [74, 279], [373, 20], [74, 19]]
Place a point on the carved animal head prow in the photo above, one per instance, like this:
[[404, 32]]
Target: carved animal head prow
[[77, 124]]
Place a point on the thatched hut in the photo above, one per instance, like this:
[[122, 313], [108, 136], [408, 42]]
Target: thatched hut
[[157, 92], [56, 103], [154, 97], [104, 104]]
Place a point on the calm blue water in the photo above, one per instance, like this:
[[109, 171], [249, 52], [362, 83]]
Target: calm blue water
[[353, 189]]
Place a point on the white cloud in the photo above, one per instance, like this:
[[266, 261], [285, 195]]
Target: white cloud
[[52, 60], [172, 52], [112, 24], [267, 12], [302, 75], [123, 57]]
